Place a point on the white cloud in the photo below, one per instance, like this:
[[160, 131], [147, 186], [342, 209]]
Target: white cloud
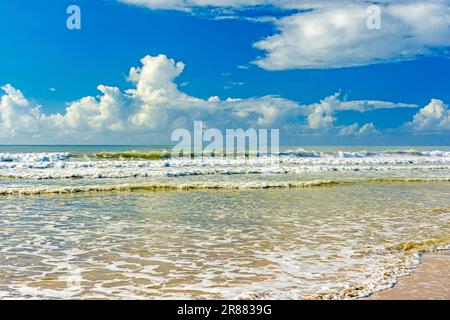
[[90, 115], [155, 105], [356, 130], [434, 117], [323, 113], [228, 5], [349, 130], [243, 67], [368, 129], [187, 5], [336, 36], [17, 114]]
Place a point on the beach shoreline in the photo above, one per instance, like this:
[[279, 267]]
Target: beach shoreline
[[429, 280]]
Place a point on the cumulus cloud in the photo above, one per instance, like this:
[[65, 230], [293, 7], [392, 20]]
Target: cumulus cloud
[[334, 34], [107, 113], [337, 36], [356, 130], [17, 114], [155, 105], [434, 117]]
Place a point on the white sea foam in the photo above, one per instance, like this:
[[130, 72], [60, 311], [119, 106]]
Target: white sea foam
[[63, 166], [187, 186], [364, 154], [33, 157], [35, 190]]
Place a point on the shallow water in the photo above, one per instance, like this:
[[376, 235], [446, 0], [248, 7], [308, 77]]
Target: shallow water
[[339, 232], [270, 243]]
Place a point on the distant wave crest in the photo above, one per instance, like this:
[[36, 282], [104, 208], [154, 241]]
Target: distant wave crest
[[34, 157], [164, 154]]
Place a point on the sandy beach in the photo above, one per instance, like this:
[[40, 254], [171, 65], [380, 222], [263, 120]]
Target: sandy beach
[[430, 280]]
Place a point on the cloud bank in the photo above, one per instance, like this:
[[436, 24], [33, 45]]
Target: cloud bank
[[155, 105]]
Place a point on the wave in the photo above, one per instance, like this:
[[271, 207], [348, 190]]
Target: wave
[[164, 154], [119, 171], [176, 167], [404, 256], [420, 247], [191, 186], [409, 180], [133, 155], [40, 166], [34, 157], [364, 153], [164, 187]]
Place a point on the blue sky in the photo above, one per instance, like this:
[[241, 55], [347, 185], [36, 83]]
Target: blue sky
[[53, 68]]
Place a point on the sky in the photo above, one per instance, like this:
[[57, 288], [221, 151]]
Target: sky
[[139, 69]]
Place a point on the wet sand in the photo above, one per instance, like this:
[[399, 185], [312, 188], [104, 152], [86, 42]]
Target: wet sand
[[430, 280]]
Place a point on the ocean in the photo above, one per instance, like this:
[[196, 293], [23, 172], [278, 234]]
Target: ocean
[[132, 222]]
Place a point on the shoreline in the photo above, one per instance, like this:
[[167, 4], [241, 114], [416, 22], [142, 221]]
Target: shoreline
[[429, 280]]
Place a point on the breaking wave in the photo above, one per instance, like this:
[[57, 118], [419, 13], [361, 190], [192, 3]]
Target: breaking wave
[[190, 186], [402, 258], [301, 153], [34, 157], [165, 154], [153, 164], [364, 154], [164, 187], [133, 155]]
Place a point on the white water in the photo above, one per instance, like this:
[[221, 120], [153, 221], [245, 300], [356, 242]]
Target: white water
[[63, 166]]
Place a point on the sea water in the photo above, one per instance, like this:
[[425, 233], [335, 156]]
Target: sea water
[[131, 222]]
